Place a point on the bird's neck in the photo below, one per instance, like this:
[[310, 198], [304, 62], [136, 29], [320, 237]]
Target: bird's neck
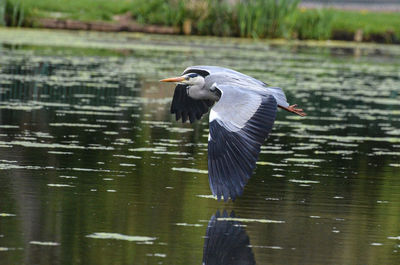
[[195, 91], [200, 93]]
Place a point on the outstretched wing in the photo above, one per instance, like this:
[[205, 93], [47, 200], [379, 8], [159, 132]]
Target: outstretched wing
[[185, 107], [239, 124]]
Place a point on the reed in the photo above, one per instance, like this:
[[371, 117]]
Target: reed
[[245, 18], [160, 12], [311, 24], [263, 18], [2, 12], [13, 13], [215, 18]]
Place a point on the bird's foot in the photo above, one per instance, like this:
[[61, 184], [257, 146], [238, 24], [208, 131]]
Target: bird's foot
[[298, 111], [295, 110]]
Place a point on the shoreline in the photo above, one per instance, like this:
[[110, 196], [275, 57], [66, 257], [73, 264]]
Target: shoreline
[[100, 40], [116, 26], [126, 25]]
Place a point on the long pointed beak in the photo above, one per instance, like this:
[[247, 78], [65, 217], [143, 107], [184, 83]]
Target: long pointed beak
[[173, 79]]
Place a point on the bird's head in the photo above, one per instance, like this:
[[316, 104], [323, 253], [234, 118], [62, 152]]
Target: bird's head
[[191, 79]]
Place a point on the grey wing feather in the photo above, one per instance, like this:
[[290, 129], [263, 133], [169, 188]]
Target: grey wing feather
[[239, 124], [219, 70]]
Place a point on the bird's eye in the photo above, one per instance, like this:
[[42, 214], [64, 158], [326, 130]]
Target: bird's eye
[[192, 75]]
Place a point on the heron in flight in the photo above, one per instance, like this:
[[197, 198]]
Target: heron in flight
[[242, 115]]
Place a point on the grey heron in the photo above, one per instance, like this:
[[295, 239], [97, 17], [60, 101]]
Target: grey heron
[[242, 115]]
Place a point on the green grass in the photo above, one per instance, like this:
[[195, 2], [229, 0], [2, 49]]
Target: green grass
[[256, 18], [85, 10], [369, 22]]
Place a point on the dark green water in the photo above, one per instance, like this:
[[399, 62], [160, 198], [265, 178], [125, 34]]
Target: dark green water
[[94, 169]]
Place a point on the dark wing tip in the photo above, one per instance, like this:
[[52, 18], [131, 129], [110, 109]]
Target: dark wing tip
[[230, 163]]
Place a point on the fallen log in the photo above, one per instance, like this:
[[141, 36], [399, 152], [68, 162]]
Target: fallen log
[[117, 26]]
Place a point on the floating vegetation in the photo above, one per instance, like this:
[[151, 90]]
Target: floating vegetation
[[81, 112], [30, 106], [191, 170], [55, 145], [160, 255], [6, 166], [6, 214], [68, 177], [263, 163], [303, 181], [60, 153], [6, 249], [60, 185], [180, 130], [209, 197], [269, 247], [306, 147], [272, 199], [127, 165], [306, 165], [276, 152], [350, 138], [304, 160], [43, 243], [110, 133], [4, 126], [148, 149], [128, 156], [382, 202], [379, 153], [116, 236], [186, 224], [88, 169], [83, 125], [341, 152], [113, 121], [249, 220]]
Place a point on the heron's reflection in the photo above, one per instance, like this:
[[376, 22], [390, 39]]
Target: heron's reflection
[[226, 242]]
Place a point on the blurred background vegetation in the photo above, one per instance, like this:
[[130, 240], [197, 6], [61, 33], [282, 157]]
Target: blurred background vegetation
[[236, 18]]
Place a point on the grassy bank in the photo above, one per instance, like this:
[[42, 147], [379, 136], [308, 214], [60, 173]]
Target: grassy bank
[[375, 26], [256, 18]]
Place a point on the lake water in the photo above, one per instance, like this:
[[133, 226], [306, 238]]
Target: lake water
[[95, 170]]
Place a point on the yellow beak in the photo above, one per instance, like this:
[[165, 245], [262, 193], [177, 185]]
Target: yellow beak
[[173, 79]]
